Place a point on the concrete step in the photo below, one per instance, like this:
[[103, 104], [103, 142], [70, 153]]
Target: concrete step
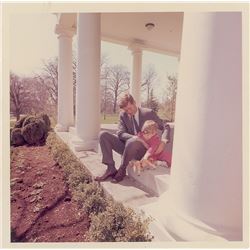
[[72, 130], [162, 182], [154, 181]]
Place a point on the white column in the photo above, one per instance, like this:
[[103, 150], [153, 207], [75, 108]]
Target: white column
[[135, 89], [88, 82], [65, 116], [206, 174]]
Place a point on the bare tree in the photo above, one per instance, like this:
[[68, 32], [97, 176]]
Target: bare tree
[[104, 66], [106, 96], [27, 96], [39, 97], [149, 76], [171, 90], [17, 95], [49, 77], [153, 102], [114, 80], [117, 82]]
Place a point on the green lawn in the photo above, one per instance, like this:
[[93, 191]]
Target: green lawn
[[12, 122], [113, 118], [110, 118]]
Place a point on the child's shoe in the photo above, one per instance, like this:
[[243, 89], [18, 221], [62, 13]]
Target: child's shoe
[[162, 164]]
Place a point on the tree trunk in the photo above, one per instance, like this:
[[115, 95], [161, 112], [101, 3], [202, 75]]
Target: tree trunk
[[115, 102], [114, 107], [17, 115], [148, 97]]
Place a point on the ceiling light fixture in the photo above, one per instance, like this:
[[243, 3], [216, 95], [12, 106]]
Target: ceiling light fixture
[[149, 26]]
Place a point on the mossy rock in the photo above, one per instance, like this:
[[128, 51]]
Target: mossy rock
[[34, 132], [19, 123], [16, 138]]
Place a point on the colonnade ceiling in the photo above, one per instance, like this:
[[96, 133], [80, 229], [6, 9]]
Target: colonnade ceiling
[[129, 28]]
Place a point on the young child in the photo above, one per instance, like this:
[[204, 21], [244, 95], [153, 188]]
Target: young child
[[151, 140]]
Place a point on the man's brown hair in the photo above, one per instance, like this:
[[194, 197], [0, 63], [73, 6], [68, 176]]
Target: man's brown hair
[[125, 99]]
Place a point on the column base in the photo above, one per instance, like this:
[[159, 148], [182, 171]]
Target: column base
[[184, 228], [78, 144], [61, 128], [72, 131]]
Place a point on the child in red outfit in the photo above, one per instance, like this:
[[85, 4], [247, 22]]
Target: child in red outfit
[[151, 140]]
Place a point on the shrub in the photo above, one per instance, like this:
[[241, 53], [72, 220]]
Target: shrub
[[19, 123], [17, 137], [90, 198], [118, 223], [65, 157], [78, 177], [29, 119], [34, 132], [110, 221], [46, 120]]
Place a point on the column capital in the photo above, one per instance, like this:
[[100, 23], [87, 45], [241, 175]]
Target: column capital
[[136, 47], [65, 31]]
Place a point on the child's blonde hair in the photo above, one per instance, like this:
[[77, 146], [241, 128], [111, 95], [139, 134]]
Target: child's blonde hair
[[150, 126]]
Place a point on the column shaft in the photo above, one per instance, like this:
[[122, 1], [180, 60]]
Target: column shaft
[[136, 75], [65, 116], [206, 179], [88, 80]]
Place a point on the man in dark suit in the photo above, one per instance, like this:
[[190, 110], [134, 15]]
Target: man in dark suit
[[131, 120]]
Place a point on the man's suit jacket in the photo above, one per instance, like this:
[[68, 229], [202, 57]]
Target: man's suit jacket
[[125, 125]]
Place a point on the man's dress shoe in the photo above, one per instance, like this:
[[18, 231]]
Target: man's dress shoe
[[106, 175], [121, 173]]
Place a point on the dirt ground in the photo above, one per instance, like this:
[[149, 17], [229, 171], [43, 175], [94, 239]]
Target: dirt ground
[[42, 208]]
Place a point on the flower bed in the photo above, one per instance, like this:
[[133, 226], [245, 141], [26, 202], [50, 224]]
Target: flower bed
[[110, 220]]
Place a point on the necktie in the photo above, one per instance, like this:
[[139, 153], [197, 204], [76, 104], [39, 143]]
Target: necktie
[[135, 125]]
